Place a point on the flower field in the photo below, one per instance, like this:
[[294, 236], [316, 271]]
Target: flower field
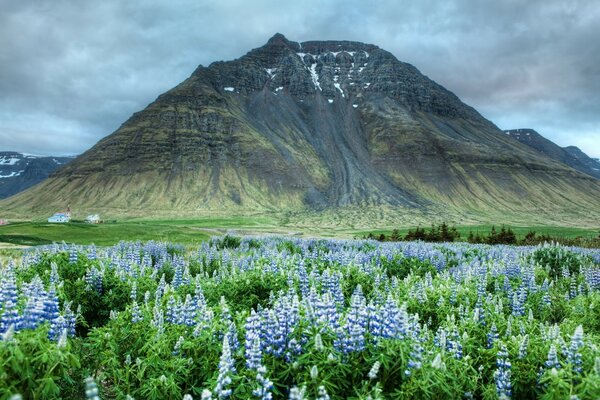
[[281, 318]]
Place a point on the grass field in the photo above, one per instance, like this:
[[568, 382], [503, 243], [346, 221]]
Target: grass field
[[187, 231], [37, 233]]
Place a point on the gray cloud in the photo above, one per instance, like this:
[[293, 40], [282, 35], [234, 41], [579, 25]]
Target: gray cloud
[[72, 71]]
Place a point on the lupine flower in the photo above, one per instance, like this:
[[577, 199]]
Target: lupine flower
[[297, 394], [552, 361], [253, 352], [178, 345], [91, 389], [73, 256], [523, 347], [502, 374], [374, 370], [574, 354], [416, 358], [492, 336], [322, 393], [136, 313], [206, 395], [226, 370], [263, 391]]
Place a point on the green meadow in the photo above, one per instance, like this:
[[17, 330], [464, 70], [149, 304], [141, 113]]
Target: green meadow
[[188, 231]]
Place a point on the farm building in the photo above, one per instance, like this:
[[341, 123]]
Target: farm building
[[93, 219], [60, 217]]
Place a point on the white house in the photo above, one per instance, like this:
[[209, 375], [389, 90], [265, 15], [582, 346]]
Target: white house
[[93, 219], [60, 218]]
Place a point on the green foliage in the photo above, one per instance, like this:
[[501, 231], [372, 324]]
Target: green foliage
[[557, 260], [31, 364], [228, 242], [400, 267], [140, 359]]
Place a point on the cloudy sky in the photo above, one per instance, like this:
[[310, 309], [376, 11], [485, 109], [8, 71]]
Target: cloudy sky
[[72, 71]]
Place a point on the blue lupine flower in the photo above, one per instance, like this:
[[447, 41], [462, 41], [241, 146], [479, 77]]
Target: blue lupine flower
[[574, 353], [91, 389], [226, 370], [322, 393], [297, 394], [416, 358], [263, 391], [73, 255], [502, 374], [51, 305], [177, 347], [492, 336], [57, 325], [523, 347], [136, 314], [552, 360]]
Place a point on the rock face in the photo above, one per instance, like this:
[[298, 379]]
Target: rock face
[[21, 171], [312, 126], [570, 155]]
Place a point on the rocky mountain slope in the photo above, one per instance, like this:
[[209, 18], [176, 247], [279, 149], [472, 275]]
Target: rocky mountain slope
[[571, 155], [332, 128], [21, 171]]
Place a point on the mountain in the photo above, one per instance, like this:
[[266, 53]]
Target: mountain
[[21, 171], [327, 132], [571, 155]]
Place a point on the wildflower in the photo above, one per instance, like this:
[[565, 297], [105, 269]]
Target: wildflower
[[502, 374], [322, 393], [552, 361], [574, 354], [314, 372], [297, 394], [178, 345], [523, 347], [263, 391], [91, 389], [226, 369], [206, 395], [437, 362], [319, 343], [374, 370]]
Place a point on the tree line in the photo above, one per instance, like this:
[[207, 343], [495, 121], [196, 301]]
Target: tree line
[[505, 235]]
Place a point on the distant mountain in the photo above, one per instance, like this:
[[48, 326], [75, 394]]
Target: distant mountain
[[335, 128], [21, 171], [571, 155]]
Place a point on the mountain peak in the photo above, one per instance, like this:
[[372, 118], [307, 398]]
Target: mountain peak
[[311, 126], [278, 39]]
